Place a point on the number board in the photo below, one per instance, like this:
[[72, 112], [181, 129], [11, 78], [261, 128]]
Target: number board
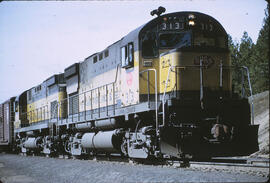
[[172, 23], [181, 23]]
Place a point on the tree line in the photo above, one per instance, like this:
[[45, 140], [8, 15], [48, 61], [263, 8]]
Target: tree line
[[253, 55]]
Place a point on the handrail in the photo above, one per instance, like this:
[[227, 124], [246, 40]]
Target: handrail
[[164, 93], [221, 74], [155, 71], [201, 82], [250, 87], [67, 100], [251, 95], [102, 85], [91, 90], [30, 114], [202, 66]]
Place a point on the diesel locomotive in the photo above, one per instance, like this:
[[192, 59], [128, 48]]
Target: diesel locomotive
[[162, 91]]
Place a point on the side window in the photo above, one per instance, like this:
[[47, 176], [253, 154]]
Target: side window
[[100, 56], [16, 107], [30, 94], [127, 55], [95, 59], [106, 53], [123, 56], [130, 54]]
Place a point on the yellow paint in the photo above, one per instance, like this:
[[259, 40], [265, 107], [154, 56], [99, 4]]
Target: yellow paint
[[63, 104], [183, 78], [31, 113], [166, 62], [150, 75], [136, 62], [144, 84], [37, 111], [186, 78]]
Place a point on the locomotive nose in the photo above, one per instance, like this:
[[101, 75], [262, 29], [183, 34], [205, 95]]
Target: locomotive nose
[[194, 73]]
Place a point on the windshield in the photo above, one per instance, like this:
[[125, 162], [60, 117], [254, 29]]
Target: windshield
[[204, 40], [174, 40]]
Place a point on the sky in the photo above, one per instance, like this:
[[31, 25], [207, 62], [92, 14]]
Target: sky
[[42, 38]]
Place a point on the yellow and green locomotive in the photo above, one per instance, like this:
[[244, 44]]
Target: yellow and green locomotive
[[163, 90]]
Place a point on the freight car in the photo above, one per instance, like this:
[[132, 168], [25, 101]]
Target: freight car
[[7, 125], [163, 90]]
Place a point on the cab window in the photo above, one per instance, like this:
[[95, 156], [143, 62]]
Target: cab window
[[127, 55], [207, 40], [16, 106], [149, 44], [202, 40]]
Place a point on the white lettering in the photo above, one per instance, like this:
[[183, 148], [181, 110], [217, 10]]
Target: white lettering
[[172, 26], [181, 25], [163, 26], [177, 25], [210, 27], [202, 26]]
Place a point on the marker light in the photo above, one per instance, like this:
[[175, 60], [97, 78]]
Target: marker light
[[191, 16]]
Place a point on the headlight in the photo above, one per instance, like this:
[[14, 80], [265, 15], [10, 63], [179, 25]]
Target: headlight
[[191, 23], [191, 20]]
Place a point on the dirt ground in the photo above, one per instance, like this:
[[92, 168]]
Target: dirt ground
[[261, 113]]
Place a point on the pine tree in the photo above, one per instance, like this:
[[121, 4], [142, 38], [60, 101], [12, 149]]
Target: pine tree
[[254, 56], [261, 56]]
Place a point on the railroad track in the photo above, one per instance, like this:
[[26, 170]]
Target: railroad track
[[252, 166], [230, 164], [236, 161], [220, 163]]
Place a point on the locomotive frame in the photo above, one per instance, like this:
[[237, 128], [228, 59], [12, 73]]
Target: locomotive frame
[[164, 90]]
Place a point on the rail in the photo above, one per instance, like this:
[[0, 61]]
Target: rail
[[59, 110], [148, 89], [221, 165], [43, 112]]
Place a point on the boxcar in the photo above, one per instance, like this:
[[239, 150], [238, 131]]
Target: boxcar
[[6, 124]]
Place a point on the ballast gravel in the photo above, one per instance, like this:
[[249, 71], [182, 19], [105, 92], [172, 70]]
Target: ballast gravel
[[21, 169]]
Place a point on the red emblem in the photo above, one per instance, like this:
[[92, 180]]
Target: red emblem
[[129, 79]]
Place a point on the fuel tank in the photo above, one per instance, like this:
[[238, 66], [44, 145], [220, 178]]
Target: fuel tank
[[102, 141], [32, 143]]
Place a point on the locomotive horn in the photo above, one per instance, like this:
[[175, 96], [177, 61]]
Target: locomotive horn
[[158, 11]]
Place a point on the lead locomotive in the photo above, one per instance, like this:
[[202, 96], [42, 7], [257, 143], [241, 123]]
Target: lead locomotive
[[163, 90]]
